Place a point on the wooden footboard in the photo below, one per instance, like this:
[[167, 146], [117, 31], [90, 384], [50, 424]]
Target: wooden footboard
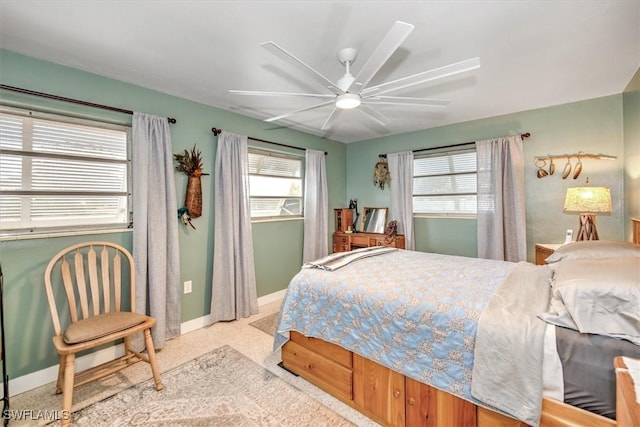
[[393, 399]]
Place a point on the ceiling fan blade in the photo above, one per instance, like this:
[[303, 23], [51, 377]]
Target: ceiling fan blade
[[382, 120], [282, 116], [389, 44], [403, 100], [263, 93], [424, 77], [322, 79], [332, 117]]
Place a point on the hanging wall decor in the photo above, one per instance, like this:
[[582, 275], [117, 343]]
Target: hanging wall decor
[[381, 173], [190, 163], [541, 162]]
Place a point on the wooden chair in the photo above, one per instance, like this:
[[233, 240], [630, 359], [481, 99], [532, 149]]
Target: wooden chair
[[90, 275]]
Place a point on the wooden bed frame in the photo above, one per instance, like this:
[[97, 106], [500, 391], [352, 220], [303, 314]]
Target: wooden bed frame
[[393, 399]]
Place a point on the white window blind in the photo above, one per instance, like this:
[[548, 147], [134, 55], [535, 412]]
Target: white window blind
[[62, 173], [445, 183], [275, 185]]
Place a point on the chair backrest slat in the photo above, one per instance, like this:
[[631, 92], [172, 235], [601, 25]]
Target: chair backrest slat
[[105, 279], [106, 288], [68, 288], [93, 280], [117, 280], [81, 285]]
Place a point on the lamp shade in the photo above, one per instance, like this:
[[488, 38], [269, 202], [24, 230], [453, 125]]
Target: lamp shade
[[588, 200]]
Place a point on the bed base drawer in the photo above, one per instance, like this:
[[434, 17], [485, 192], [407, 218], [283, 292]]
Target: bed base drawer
[[317, 369], [325, 349], [423, 406]]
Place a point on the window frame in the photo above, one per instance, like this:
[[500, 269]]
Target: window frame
[[448, 153], [83, 227], [278, 154]]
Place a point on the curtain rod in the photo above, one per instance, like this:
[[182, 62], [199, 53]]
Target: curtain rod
[[70, 100], [217, 132], [522, 135]]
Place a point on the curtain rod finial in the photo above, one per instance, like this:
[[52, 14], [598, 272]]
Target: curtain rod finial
[[216, 131]]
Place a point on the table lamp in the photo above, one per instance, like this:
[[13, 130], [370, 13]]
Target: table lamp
[[587, 202]]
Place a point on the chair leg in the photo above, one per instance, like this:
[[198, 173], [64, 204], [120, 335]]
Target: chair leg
[[152, 359], [67, 388], [127, 348], [60, 375]]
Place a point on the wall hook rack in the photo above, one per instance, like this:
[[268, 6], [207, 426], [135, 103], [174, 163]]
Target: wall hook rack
[[578, 155], [540, 163]]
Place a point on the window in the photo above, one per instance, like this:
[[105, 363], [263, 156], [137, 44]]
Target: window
[[445, 184], [58, 173], [275, 185]]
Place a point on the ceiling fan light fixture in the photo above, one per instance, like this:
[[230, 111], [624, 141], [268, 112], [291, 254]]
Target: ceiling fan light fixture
[[347, 101], [349, 92]]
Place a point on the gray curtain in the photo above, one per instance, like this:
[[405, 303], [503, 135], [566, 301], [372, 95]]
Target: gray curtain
[[401, 187], [501, 203], [234, 292], [316, 207], [155, 226]]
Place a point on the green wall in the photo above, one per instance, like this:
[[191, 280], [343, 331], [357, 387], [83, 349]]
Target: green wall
[[606, 125], [594, 126], [631, 101], [277, 245]]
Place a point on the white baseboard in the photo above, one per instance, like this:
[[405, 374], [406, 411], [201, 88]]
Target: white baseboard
[[201, 322], [44, 376], [194, 324], [50, 374], [266, 299]]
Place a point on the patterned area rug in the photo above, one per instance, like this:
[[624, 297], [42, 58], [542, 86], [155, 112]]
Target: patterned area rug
[[267, 324], [221, 388]]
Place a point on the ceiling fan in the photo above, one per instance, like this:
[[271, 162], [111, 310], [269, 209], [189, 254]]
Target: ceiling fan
[[351, 92]]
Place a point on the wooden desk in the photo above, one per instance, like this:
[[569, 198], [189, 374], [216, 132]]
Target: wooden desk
[[627, 407], [343, 242]]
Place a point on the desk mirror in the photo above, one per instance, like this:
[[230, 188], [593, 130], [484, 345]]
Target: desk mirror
[[373, 220]]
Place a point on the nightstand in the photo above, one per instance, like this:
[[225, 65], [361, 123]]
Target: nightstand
[[543, 250]]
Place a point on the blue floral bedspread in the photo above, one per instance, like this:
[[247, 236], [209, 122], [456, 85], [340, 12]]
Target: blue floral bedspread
[[414, 312]]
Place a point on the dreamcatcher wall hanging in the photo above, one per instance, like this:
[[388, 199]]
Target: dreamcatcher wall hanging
[[381, 173]]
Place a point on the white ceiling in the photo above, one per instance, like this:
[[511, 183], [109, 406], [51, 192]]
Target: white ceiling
[[533, 53]]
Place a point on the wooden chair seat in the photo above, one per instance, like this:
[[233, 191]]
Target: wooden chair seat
[[104, 325], [91, 276]]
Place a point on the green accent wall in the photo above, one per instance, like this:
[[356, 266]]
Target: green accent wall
[[277, 245], [593, 126], [631, 102], [607, 125]]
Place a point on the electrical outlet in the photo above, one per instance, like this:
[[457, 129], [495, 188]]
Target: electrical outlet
[[188, 287]]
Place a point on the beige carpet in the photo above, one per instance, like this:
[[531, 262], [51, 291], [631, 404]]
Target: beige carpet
[[267, 324], [220, 388]]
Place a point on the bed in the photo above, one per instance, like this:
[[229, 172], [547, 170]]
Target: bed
[[412, 338]]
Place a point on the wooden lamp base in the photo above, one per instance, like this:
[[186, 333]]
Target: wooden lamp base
[[587, 230]]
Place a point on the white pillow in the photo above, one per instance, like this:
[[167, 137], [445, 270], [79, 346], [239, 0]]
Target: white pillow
[[600, 296], [590, 249]]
